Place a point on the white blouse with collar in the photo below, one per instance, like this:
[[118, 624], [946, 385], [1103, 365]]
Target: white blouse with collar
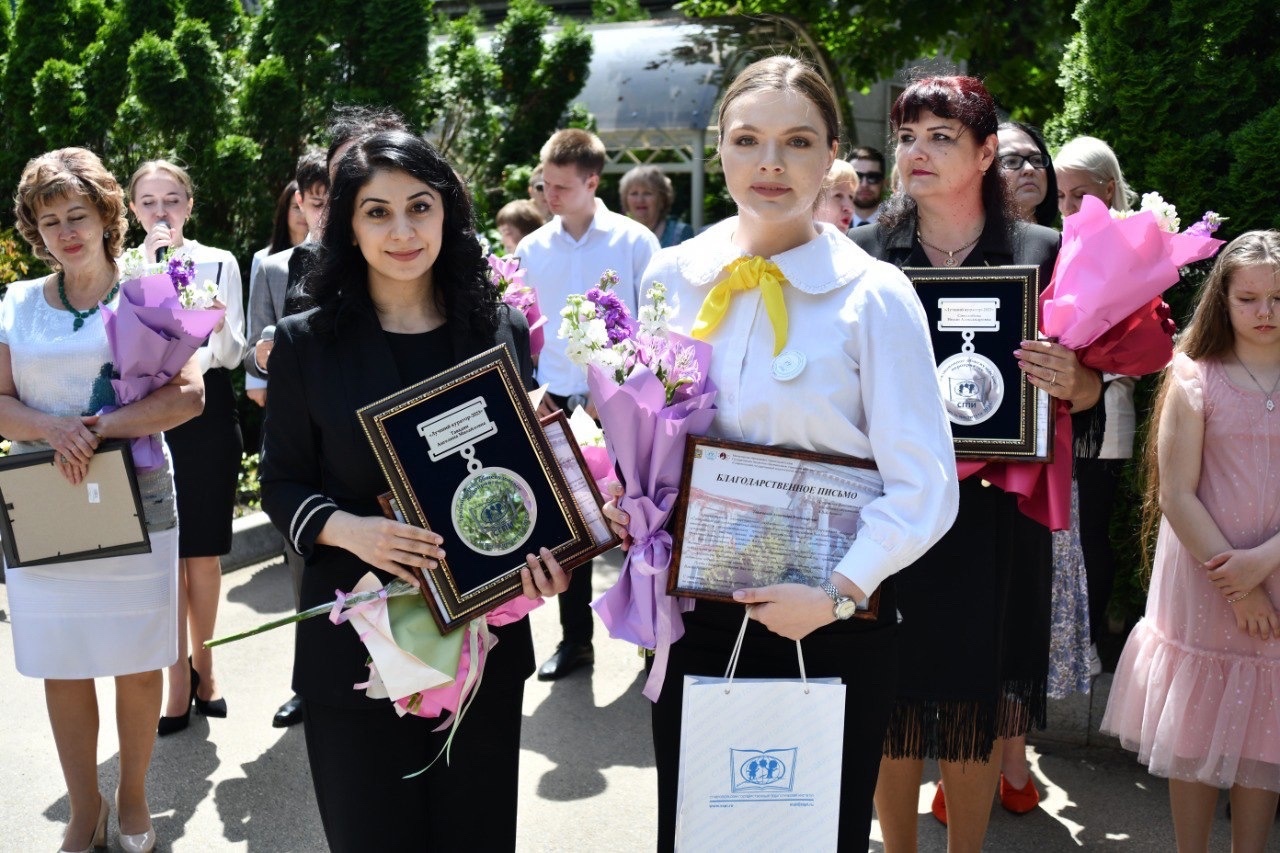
[[868, 388]]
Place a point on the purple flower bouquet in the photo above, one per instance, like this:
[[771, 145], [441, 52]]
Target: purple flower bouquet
[[152, 334], [650, 390]]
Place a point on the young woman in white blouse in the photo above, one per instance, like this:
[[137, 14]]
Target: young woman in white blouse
[[206, 450], [866, 389]]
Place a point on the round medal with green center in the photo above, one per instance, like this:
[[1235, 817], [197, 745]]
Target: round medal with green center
[[494, 511]]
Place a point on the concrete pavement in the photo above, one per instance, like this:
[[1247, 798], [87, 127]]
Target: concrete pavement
[[587, 778]]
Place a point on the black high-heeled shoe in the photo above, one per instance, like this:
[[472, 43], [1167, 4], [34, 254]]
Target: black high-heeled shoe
[[208, 707], [172, 725]]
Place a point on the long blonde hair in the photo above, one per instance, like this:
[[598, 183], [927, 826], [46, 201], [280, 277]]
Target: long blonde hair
[[1208, 335]]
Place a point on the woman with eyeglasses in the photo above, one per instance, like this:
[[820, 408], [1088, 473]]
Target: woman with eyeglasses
[[974, 657], [1027, 171]]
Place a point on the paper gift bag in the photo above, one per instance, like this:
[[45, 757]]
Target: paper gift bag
[[760, 762]]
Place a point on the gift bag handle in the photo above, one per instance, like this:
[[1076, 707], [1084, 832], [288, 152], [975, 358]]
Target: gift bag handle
[[737, 650]]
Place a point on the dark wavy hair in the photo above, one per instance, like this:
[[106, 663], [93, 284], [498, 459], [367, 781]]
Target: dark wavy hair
[[1047, 209], [339, 284], [967, 101]]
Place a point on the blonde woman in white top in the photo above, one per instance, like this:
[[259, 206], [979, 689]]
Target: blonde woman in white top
[[206, 450]]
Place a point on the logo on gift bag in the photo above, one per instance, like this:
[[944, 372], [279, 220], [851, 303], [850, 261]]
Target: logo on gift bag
[[762, 769]]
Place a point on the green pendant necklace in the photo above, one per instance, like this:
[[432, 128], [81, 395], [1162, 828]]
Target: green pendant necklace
[[80, 316]]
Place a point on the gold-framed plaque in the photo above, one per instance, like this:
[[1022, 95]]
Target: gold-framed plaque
[[46, 519], [977, 317], [749, 515], [464, 455]]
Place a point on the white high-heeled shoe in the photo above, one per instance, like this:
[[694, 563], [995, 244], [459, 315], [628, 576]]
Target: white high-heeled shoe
[[142, 842], [99, 841]]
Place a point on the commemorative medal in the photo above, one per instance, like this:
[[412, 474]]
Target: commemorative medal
[[971, 385], [493, 509]]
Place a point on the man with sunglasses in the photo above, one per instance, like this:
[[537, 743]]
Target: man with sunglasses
[[868, 163]]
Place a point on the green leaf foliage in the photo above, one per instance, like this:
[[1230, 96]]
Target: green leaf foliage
[[1185, 94], [58, 107], [38, 34], [492, 107], [1014, 45]]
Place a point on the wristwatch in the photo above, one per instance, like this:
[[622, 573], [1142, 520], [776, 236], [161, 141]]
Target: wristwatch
[[845, 606]]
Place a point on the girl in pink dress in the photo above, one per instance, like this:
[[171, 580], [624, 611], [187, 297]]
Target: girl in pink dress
[[1197, 690]]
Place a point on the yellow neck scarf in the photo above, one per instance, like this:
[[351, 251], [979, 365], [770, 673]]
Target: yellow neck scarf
[[744, 274]]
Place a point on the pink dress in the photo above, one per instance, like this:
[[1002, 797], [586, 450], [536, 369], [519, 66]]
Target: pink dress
[[1195, 697]]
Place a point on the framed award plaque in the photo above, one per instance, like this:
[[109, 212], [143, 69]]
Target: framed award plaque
[[977, 317], [464, 455], [750, 515]]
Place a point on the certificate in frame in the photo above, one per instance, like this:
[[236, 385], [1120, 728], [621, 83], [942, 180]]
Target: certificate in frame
[[48, 520], [977, 317], [750, 515], [464, 455], [581, 484]]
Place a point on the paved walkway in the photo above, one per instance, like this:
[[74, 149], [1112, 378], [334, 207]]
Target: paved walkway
[[586, 765]]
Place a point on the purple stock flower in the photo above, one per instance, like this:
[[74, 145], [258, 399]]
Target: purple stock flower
[[617, 320], [181, 272], [1209, 223]]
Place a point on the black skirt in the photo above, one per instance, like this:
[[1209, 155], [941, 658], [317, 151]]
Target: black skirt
[[206, 454], [974, 649]]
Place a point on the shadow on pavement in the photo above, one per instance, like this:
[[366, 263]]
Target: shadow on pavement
[[269, 591], [272, 809], [610, 736]]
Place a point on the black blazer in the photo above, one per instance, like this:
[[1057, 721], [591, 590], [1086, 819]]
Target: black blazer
[[316, 460]]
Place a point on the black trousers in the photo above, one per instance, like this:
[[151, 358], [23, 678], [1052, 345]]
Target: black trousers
[[863, 655], [358, 759], [1099, 480]]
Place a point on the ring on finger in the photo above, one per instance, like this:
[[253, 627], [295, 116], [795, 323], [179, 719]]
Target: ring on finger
[[1054, 379]]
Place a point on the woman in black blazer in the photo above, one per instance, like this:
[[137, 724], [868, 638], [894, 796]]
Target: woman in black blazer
[[401, 294], [975, 609]]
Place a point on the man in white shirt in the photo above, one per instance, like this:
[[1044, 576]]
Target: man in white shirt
[[868, 165], [567, 256]]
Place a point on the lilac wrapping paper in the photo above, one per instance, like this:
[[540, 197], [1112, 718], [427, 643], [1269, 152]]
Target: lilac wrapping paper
[[151, 337], [646, 440]]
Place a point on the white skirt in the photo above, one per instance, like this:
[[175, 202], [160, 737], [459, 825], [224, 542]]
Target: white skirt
[[97, 618]]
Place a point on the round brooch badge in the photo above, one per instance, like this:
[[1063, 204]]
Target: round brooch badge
[[788, 365]]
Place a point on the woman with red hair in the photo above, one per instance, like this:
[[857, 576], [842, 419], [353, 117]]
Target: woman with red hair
[[975, 608]]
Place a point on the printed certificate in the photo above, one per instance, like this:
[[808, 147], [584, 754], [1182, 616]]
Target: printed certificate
[[750, 516]]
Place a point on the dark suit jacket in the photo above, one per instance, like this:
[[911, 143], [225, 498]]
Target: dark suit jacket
[[316, 460]]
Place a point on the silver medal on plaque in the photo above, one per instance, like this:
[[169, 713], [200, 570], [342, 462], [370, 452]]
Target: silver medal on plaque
[[972, 388], [493, 508], [971, 385]]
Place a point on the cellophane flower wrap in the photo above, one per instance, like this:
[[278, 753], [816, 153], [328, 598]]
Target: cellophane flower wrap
[[1105, 303], [422, 672], [1111, 271], [506, 275], [650, 389], [161, 320]]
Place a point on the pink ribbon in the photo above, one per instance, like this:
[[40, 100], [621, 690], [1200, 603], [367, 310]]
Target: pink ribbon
[[341, 613]]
